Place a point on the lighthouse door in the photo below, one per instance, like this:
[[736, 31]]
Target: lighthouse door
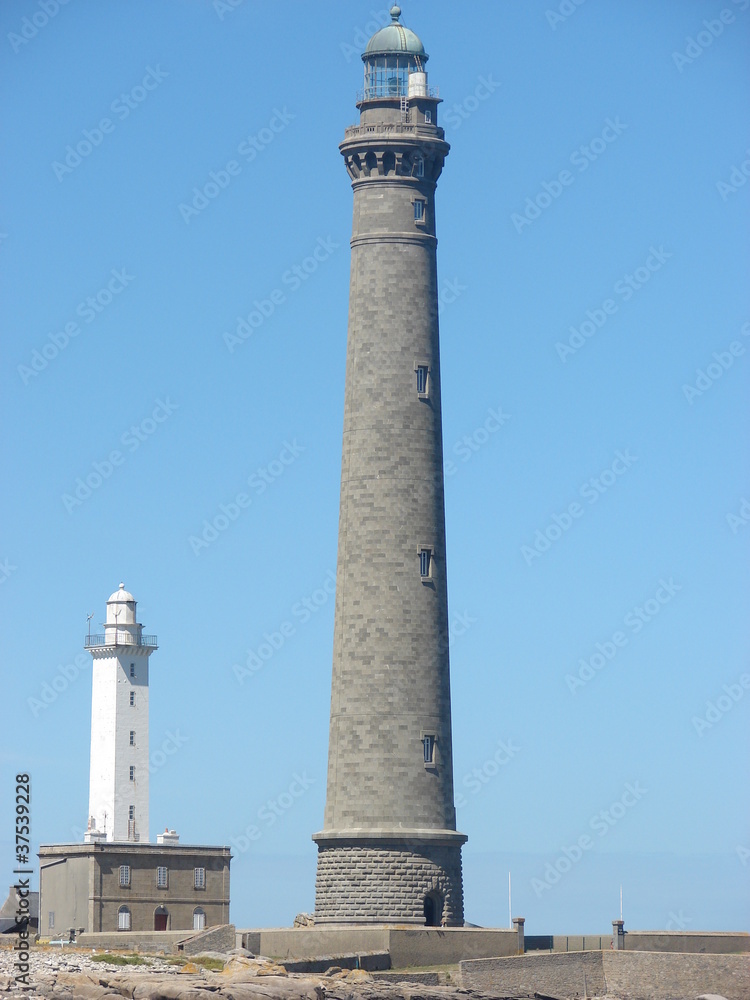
[[161, 918]]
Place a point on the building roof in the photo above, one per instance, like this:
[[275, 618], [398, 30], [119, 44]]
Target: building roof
[[395, 38], [121, 595]]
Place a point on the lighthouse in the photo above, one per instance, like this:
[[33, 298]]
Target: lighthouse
[[389, 851], [118, 782]]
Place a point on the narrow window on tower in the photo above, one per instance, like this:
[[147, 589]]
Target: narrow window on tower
[[132, 737], [428, 747], [425, 563], [132, 773], [419, 210], [51, 920], [423, 379], [132, 669], [428, 118], [419, 165], [132, 697]]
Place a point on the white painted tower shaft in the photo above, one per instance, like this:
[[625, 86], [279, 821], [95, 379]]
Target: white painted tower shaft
[[118, 783]]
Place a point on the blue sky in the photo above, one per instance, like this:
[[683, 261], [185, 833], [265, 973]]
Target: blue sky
[[595, 334]]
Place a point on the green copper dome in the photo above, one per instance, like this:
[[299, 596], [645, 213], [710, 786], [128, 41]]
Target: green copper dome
[[395, 38]]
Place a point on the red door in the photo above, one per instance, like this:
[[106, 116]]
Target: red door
[[160, 920]]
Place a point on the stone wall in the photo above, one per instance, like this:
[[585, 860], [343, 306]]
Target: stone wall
[[369, 882], [626, 975], [575, 974], [219, 938], [650, 976], [145, 941]]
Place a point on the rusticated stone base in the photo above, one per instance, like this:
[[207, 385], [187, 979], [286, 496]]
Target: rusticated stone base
[[387, 881]]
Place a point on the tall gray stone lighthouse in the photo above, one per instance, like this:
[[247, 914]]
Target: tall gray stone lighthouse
[[389, 851]]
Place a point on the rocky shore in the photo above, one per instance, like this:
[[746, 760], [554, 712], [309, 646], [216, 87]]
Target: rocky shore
[[78, 975]]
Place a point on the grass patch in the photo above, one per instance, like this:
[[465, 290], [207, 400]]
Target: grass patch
[[119, 959], [212, 964]]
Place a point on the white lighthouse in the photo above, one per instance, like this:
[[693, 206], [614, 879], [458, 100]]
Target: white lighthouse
[[118, 784]]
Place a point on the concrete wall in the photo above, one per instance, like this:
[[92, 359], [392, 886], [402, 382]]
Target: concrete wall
[[63, 890], [626, 975], [145, 941], [407, 947], [707, 942]]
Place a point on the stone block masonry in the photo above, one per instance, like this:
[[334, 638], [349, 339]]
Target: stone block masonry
[[622, 974], [359, 882]]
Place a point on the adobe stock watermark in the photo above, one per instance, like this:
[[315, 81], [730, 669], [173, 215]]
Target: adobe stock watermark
[[743, 853], [448, 293], [705, 37], [467, 446], [362, 35], [633, 623], [479, 777], [131, 440], [582, 158], [624, 290], [677, 921], [592, 490], [65, 675], [291, 281], [737, 179], [724, 703], [31, 26], [461, 111], [741, 518], [224, 7], [88, 310], [6, 570], [565, 10], [122, 106], [300, 613], [258, 481], [248, 149], [706, 378], [601, 823], [272, 811]]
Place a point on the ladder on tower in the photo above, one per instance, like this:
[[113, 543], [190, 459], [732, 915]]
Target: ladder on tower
[[404, 108]]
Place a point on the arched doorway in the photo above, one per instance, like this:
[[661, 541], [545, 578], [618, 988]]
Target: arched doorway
[[199, 919], [433, 909], [161, 919]]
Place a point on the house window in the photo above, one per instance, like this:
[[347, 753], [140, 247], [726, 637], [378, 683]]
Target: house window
[[51, 919], [425, 563], [132, 669], [132, 698], [162, 877], [132, 773], [123, 919], [199, 878], [428, 118], [418, 211], [124, 875], [132, 737], [422, 373], [199, 919], [420, 166], [428, 745], [131, 812]]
